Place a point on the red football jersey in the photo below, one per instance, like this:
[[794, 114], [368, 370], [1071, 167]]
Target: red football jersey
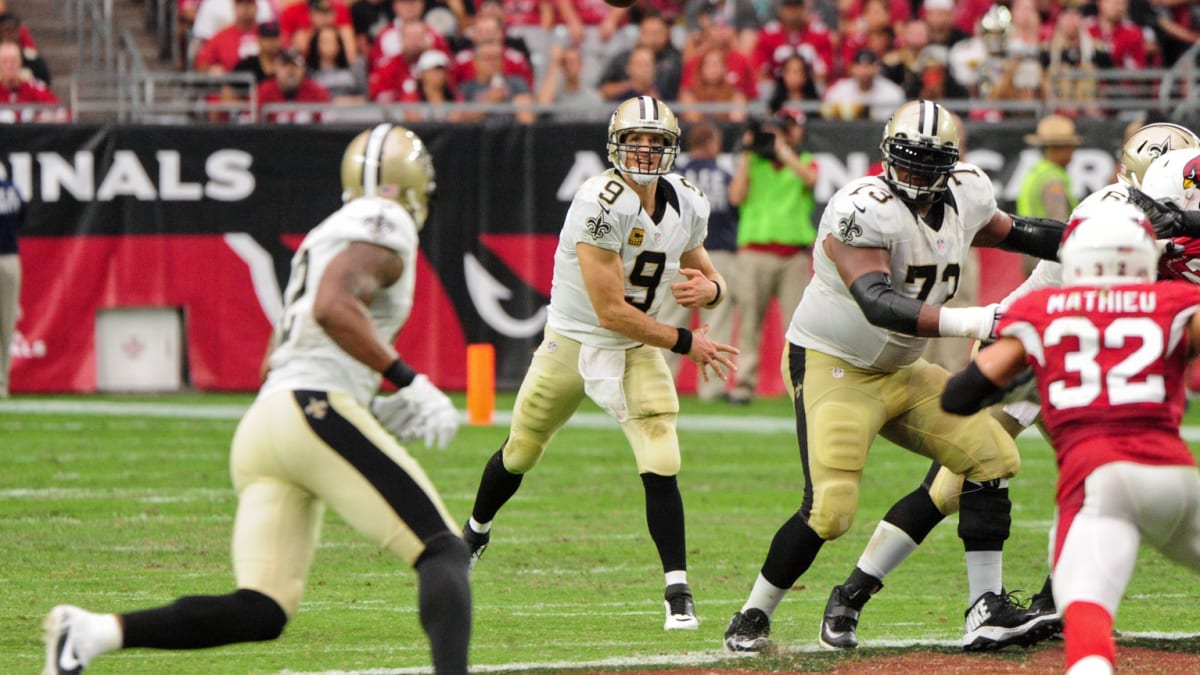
[[1182, 261], [1109, 363]]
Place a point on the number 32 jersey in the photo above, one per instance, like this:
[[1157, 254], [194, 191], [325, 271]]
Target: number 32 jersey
[[1109, 362], [306, 357], [926, 264], [608, 214]]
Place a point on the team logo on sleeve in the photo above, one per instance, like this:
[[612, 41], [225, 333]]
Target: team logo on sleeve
[[596, 227], [637, 236], [848, 230]]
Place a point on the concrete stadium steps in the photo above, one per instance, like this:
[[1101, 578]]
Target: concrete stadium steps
[[45, 20]]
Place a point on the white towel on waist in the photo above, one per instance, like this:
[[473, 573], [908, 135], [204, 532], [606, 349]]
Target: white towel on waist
[[603, 371]]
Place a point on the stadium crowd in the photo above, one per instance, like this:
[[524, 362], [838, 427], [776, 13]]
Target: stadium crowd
[[846, 59]]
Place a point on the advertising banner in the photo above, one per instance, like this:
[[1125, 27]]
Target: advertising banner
[[205, 218]]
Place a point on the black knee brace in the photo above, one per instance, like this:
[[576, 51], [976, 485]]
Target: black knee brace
[[984, 515]]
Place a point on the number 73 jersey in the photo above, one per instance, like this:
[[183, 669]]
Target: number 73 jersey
[[925, 254], [1107, 360], [608, 214]]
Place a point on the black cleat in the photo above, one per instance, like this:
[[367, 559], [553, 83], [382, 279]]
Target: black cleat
[[476, 542], [997, 621], [748, 631], [839, 627], [681, 609]]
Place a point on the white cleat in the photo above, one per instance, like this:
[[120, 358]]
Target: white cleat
[[61, 656]]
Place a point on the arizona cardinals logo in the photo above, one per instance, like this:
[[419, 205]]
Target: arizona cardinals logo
[[848, 229], [1191, 173], [597, 228]]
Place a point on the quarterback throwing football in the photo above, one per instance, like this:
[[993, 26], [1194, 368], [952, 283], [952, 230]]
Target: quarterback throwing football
[[628, 233]]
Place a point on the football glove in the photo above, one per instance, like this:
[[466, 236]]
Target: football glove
[[1166, 218], [418, 411], [973, 322]]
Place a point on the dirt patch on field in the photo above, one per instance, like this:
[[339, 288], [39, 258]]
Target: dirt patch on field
[[1047, 659]]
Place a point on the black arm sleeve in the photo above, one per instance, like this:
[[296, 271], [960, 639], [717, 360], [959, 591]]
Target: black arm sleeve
[[1038, 237], [883, 305], [969, 391]]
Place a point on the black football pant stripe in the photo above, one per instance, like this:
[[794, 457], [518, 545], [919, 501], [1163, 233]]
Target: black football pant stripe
[[796, 368], [401, 492]]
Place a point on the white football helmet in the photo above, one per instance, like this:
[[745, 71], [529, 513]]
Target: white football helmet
[[392, 162], [1174, 178], [1148, 144], [648, 115], [1107, 244], [920, 149]]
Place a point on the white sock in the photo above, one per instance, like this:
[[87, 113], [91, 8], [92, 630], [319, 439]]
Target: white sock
[[676, 577], [889, 546], [478, 527], [95, 634], [1091, 665], [985, 572], [765, 596]]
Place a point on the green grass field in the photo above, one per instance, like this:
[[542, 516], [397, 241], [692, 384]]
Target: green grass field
[[125, 506]]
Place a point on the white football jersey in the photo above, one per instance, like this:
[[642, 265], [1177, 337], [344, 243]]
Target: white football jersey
[[926, 264], [608, 214], [306, 357], [1048, 273]]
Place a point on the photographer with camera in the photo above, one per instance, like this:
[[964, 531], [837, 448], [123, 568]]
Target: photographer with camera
[[772, 187]]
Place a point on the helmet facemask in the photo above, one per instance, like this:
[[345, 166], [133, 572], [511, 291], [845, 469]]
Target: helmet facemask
[[643, 164], [920, 150]]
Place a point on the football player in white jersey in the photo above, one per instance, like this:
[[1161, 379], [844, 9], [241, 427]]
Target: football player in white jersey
[[628, 233], [310, 439], [853, 359], [911, 519]]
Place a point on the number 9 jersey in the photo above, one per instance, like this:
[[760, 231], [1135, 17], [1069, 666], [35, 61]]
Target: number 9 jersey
[[926, 255], [608, 214]]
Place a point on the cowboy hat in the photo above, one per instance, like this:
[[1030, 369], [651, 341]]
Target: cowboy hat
[[1055, 131]]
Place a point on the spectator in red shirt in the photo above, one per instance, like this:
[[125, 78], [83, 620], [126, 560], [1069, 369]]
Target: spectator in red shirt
[[14, 90], [232, 43], [24, 37], [386, 81], [10, 30], [291, 84], [390, 42], [795, 31], [710, 85], [487, 29], [716, 32], [300, 20], [1113, 31]]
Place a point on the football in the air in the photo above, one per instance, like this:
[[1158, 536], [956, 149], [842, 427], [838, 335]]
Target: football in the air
[[621, 3]]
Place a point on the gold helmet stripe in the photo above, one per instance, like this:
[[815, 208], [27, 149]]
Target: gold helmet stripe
[[372, 170]]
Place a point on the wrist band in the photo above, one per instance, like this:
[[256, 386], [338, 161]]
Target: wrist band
[[400, 374], [717, 297], [683, 344]]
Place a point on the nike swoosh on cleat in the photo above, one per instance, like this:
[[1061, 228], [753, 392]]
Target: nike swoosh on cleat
[[68, 662]]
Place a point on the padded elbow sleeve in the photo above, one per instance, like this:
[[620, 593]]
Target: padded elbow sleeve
[[969, 391], [883, 305], [1038, 237]]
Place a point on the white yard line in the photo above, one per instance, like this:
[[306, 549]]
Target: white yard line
[[751, 424], [684, 659]]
